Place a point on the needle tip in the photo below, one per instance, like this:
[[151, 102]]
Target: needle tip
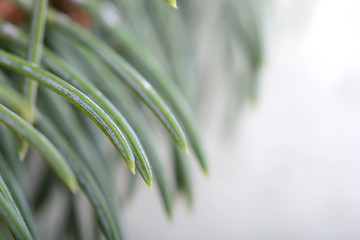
[[149, 183], [172, 3], [132, 169]]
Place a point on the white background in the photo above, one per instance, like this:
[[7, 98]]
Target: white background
[[293, 171]]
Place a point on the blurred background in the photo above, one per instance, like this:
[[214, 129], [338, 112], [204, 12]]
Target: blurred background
[[288, 167], [274, 86]]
